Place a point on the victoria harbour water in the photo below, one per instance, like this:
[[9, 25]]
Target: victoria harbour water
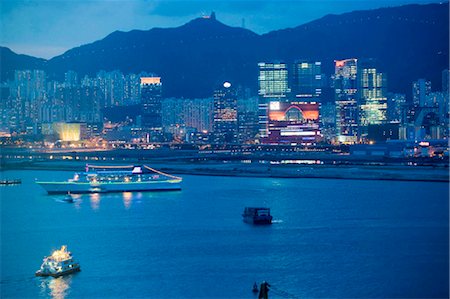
[[330, 238]]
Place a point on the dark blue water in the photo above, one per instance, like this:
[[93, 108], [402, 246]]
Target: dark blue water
[[331, 238]]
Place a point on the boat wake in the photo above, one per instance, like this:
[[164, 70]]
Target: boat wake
[[277, 221]]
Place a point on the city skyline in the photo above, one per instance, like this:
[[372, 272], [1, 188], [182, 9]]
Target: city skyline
[[86, 22]]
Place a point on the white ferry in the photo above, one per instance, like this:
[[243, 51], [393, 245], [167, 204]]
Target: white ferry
[[58, 264], [99, 179]]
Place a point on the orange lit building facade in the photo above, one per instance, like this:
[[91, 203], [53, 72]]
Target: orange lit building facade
[[293, 122]]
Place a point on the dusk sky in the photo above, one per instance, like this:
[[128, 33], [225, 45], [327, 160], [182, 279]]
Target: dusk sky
[[49, 28]]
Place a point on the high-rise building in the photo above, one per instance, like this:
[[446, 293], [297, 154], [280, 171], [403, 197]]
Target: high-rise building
[[247, 118], [132, 90], [372, 98], [307, 80], [273, 84], [151, 97], [225, 114], [28, 93], [70, 79], [396, 107], [273, 80], [345, 88], [196, 114], [420, 90]]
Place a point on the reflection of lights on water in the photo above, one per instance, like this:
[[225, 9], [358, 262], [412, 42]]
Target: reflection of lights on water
[[127, 198], [57, 287], [95, 201]]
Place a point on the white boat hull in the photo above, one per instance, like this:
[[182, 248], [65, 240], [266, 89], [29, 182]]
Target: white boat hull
[[77, 187]]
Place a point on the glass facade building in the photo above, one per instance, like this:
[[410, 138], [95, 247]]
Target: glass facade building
[[273, 83], [345, 87], [225, 114], [151, 102], [307, 79], [372, 97]]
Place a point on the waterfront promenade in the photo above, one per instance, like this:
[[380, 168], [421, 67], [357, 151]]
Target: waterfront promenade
[[304, 164]]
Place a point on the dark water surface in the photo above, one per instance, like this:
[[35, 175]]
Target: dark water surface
[[331, 238]]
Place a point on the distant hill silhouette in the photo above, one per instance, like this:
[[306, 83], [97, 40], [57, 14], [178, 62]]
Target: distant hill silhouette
[[409, 42], [10, 61]]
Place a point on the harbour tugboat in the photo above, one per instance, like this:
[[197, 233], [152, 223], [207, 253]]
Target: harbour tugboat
[[257, 215], [58, 264]]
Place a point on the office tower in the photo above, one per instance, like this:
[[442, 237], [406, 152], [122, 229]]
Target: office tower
[[273, 84], [273, 80], [225, 114], [345, 88], [307, 80], [151, 97], [247, 118], [420, 90], [372, 89]]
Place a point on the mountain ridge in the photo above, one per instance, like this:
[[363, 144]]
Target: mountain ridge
[[197, 56]]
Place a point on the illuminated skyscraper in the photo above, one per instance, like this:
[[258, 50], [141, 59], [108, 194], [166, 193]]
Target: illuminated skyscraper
[[151, 98], [372, 96], [273, 80], [225, 114], [345, 87], [273, 85], [307, 80]]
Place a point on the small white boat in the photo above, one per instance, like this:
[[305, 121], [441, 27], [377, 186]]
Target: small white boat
[[58, 264]]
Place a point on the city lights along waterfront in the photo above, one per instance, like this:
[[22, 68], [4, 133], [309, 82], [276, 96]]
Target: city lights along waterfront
[[329, 238], [201, 160]]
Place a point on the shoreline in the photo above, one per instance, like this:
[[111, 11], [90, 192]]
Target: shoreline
[[352, 172]]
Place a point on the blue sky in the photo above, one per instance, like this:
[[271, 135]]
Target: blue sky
[[48, 28]]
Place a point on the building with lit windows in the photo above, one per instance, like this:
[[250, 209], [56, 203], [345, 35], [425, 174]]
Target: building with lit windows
[[420, 90], [196, 114], [273, 82], [372, 97], [397, 107], [151, 101], [225, 115], [307, 79], [345, 88]]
